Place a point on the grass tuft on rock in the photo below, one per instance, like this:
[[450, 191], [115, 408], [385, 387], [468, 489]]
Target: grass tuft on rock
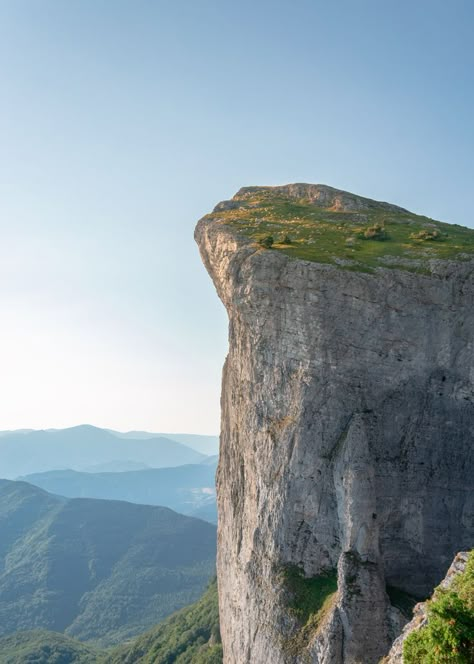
[[309, 600]]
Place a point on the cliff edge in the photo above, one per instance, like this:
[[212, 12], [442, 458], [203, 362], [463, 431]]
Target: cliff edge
[[346, 464]]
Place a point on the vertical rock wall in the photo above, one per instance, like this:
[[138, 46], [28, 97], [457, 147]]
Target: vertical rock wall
[[346, 443]]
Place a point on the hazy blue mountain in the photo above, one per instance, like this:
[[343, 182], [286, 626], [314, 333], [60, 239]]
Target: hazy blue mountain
[[9, 431], [187, 489], [23, 453], [208, 445], [207, 512], [118, 466], [211, 460], [205, 444], [98, 570]]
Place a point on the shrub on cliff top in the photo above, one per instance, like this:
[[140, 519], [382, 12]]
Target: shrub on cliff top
[[266, 242], [429, 236], [375, 232]]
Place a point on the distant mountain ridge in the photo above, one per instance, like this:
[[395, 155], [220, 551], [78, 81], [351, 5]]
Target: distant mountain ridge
[[188, 489], [26, 452], [116, 466], [208, 445], [98, 570]]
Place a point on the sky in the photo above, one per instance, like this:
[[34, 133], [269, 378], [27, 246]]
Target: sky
[[122, 122]]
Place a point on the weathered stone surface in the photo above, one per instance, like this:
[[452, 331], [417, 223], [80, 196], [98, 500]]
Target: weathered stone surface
[[347, 427]]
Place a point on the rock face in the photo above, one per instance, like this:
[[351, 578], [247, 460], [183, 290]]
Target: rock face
[[346, 439]]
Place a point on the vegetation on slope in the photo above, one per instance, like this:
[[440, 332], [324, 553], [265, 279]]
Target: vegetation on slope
[[308, 599], [448, 638], [190, 636], [362, 239], [102, 571], [41, 647]]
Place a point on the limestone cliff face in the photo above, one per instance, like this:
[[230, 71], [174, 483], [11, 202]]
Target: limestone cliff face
[[346, 439]]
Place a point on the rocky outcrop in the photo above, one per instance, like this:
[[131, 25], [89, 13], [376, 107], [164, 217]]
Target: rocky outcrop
[[420, 616], [346, 440]]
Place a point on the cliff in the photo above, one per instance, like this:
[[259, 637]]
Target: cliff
[[347, 418]]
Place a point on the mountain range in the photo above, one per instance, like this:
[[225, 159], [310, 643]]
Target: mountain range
[[207, 445], [99, 570], [24, 452], [187, 489]]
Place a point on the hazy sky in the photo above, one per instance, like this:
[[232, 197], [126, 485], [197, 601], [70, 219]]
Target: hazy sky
[[122, 122]]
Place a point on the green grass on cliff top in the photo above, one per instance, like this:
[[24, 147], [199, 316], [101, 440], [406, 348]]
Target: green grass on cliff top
[[332, 236]]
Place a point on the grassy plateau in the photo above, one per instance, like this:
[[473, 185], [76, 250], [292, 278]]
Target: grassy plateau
[[355, 237]]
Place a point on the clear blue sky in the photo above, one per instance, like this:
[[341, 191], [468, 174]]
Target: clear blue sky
[[122, 122]]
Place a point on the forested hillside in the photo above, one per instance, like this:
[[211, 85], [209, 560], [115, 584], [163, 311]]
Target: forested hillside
[[99, 570]]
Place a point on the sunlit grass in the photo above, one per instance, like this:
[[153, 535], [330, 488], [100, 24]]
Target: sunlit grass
[[343, 237]]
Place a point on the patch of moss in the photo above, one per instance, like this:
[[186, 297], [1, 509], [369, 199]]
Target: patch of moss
[[309, 600], [342, 237]]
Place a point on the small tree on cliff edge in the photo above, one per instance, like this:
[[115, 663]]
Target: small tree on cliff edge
[[267, 242]]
